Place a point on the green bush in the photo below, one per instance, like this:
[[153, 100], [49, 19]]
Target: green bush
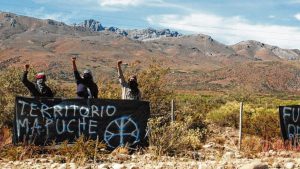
[[260, 117], [173, 138], [227, 115], [263, 122], [153, 85]]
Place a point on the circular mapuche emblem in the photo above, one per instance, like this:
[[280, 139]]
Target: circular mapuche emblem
[[120, 132]]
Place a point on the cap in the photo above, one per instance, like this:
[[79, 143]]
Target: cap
[[87, 71], [40, 75]]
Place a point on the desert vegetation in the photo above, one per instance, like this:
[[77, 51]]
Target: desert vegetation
[[190, 130]]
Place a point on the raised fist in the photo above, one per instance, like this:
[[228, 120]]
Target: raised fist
[[26, 67], [119, 62], [73, 59]]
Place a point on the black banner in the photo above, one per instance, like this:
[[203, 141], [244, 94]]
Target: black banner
[[290, 122], [115, 122]]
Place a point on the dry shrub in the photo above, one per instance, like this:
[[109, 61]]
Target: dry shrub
[[262, 122], [173, 138], [109, 90], [154, 89], [11, 86], [81, 151], [252, 145], [19, 152]]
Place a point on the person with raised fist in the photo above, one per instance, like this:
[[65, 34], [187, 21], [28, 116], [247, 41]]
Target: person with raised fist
[[86, 87], [130, 90], [39, 88]]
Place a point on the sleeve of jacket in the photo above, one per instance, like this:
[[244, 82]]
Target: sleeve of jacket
[[49, 92], [77, 77], [95, 91], [30, 86]]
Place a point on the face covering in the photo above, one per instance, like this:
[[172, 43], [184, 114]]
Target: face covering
[[40, 84], [133, 84], [87, 77]]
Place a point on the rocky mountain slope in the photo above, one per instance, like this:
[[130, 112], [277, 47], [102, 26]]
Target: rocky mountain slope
[[135, 34], [196, 61]]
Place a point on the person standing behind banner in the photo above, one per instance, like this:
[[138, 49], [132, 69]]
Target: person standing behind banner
[[39, 88], [86, 87], [130, 90]]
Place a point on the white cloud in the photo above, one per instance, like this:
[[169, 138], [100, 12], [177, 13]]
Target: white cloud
[[294, 1], [272, 16], [297, 16], [230, 30], [42, 14], [111, 3]]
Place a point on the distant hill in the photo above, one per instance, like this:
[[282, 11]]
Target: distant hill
[[196, 61], [135, 34]]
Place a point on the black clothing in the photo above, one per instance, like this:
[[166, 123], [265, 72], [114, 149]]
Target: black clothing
[[85, 87], [34, 89]]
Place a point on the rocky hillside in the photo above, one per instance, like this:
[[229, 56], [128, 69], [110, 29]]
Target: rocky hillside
[[142, 35], [261, 51], [196, 61]]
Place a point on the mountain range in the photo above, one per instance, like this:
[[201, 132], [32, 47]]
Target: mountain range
[[197, 62]]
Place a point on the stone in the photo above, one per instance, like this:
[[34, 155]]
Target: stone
[[134, 167], [63, 166], [118, 166], [103, 166], [228, 155], [72, 166], [276, 165], [255, 165], [289, 165], [54, 165]]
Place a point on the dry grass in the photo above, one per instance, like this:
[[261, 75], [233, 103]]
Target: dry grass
[[81, 151]]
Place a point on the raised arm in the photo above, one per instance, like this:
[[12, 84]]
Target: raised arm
[[24, 77], [120, 73], [27, 83], [76, 73], [74, 63]]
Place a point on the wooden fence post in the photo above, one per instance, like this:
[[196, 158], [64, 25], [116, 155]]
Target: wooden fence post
[[241, 126], [172, 110]]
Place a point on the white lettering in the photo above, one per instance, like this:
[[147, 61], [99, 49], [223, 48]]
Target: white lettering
[[68, 126], [74, 107], [32, 107], [23, 105], [48, 122], [295, 111], [84, 111], [92, 125], [291, 130], [95, 110], [83, 123], [63, 127], [57, 109], [20, 124], [44, 109], [36, 126], [110, 107]]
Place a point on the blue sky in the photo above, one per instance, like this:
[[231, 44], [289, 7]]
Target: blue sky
[[275, 22]]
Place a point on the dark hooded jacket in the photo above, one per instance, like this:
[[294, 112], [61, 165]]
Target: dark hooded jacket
[[33, 88], [85, 88]]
